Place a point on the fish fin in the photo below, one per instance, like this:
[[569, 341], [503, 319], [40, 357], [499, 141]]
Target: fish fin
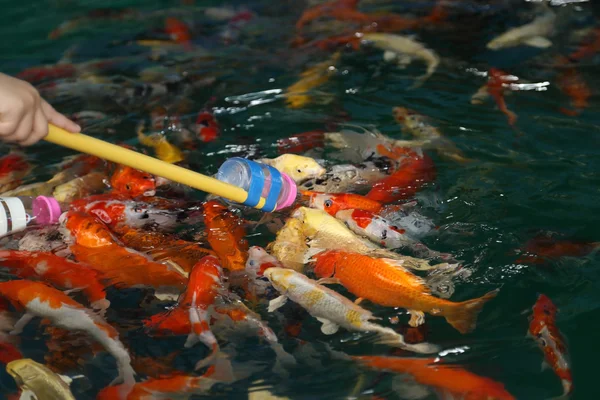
[[277, 303], [359, 300], [329, 281], [463, 316], [21, 323], [417, 318], [328, 327], [538, 41], [73, 290], [545, 366]]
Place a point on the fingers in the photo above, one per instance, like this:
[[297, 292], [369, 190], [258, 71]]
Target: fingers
[[40, 129], [23, 129], [56, 118]]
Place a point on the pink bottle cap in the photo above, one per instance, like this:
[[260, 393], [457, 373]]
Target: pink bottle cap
[[46, 210], [292, 192]]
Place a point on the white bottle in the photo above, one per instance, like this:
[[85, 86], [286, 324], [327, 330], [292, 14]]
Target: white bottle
[[16, 213]]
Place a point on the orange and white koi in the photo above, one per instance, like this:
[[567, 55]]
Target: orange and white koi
[[331, 203], [450, 380], [383, 232], [191, 315], [256, 265], [542, 327], [178, 386], [94, 244], [497, 82], [571, 83], [301, 142], [332, 309], [57, 271], [13, 168], [344, 178], [132, 182], [386, 282], [226, 235], [41, 300]]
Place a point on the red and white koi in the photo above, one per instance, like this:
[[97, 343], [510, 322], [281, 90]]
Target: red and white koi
[[38, 299], [543, 329], [57, 271]]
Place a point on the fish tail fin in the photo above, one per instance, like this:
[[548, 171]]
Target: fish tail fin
[[219, 364], [463, 316]]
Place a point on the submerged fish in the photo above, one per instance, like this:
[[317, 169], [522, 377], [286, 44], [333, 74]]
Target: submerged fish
[[451, 381], [39, 379], [226, 235], [344, 178], [13, 168], [164, 150], [332, 309], [387, 282], [297, 94], [543, 329], [290, 246], [531, 34], [405, 49]]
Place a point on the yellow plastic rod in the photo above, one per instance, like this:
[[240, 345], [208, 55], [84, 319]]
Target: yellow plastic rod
[[120, 155]]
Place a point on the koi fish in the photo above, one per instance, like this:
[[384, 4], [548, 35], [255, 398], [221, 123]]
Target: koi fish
[[571, 83], [497, 82], [207, 128], [428, 135], [226, 235], [38, 379], [541, 249], [13, 168], [89, 184], [313, 77], [386, 282], [57, 271], [41, 300], [327, 233], [404, 49], [332, 309], [543, 329], [289, 246], [178, 31], [93, 244], [299, 168], [256, 265], [532, 34], [343, 178], [173, 386], [301, 142], [383, 232], [191, 314], [132, 182], [331, 203], [343, 10], [164, 150], [450, 381], [412, 174], [587, 49], [164, 248]]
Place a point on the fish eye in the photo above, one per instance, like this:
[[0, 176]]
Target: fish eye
[[328, 203], [252, 263], [127, 187], [299, 171]]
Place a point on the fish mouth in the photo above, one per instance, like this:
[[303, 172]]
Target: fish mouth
[[149, 193]]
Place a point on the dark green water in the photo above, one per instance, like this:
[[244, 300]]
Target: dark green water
[[543, 176]]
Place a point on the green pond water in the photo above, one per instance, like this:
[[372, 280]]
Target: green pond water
[[544, 175]]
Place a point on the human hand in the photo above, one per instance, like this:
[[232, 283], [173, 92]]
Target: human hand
[[24, 115]]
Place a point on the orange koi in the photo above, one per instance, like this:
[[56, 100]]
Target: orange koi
[[38, 299], [301, 142], [96, 246], [161, 247], [50, 73], [132, 182], [191, 316], [207, 127], [174, 386], [331, 203], [588, 49], [154, 367], [13, 168], [57, 271], [497, 82], [450, 380], [343, 10], [413, 172], [572, 84], [543, 248], [178, 31], [226, 235], [386, 282], [543, 329]]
